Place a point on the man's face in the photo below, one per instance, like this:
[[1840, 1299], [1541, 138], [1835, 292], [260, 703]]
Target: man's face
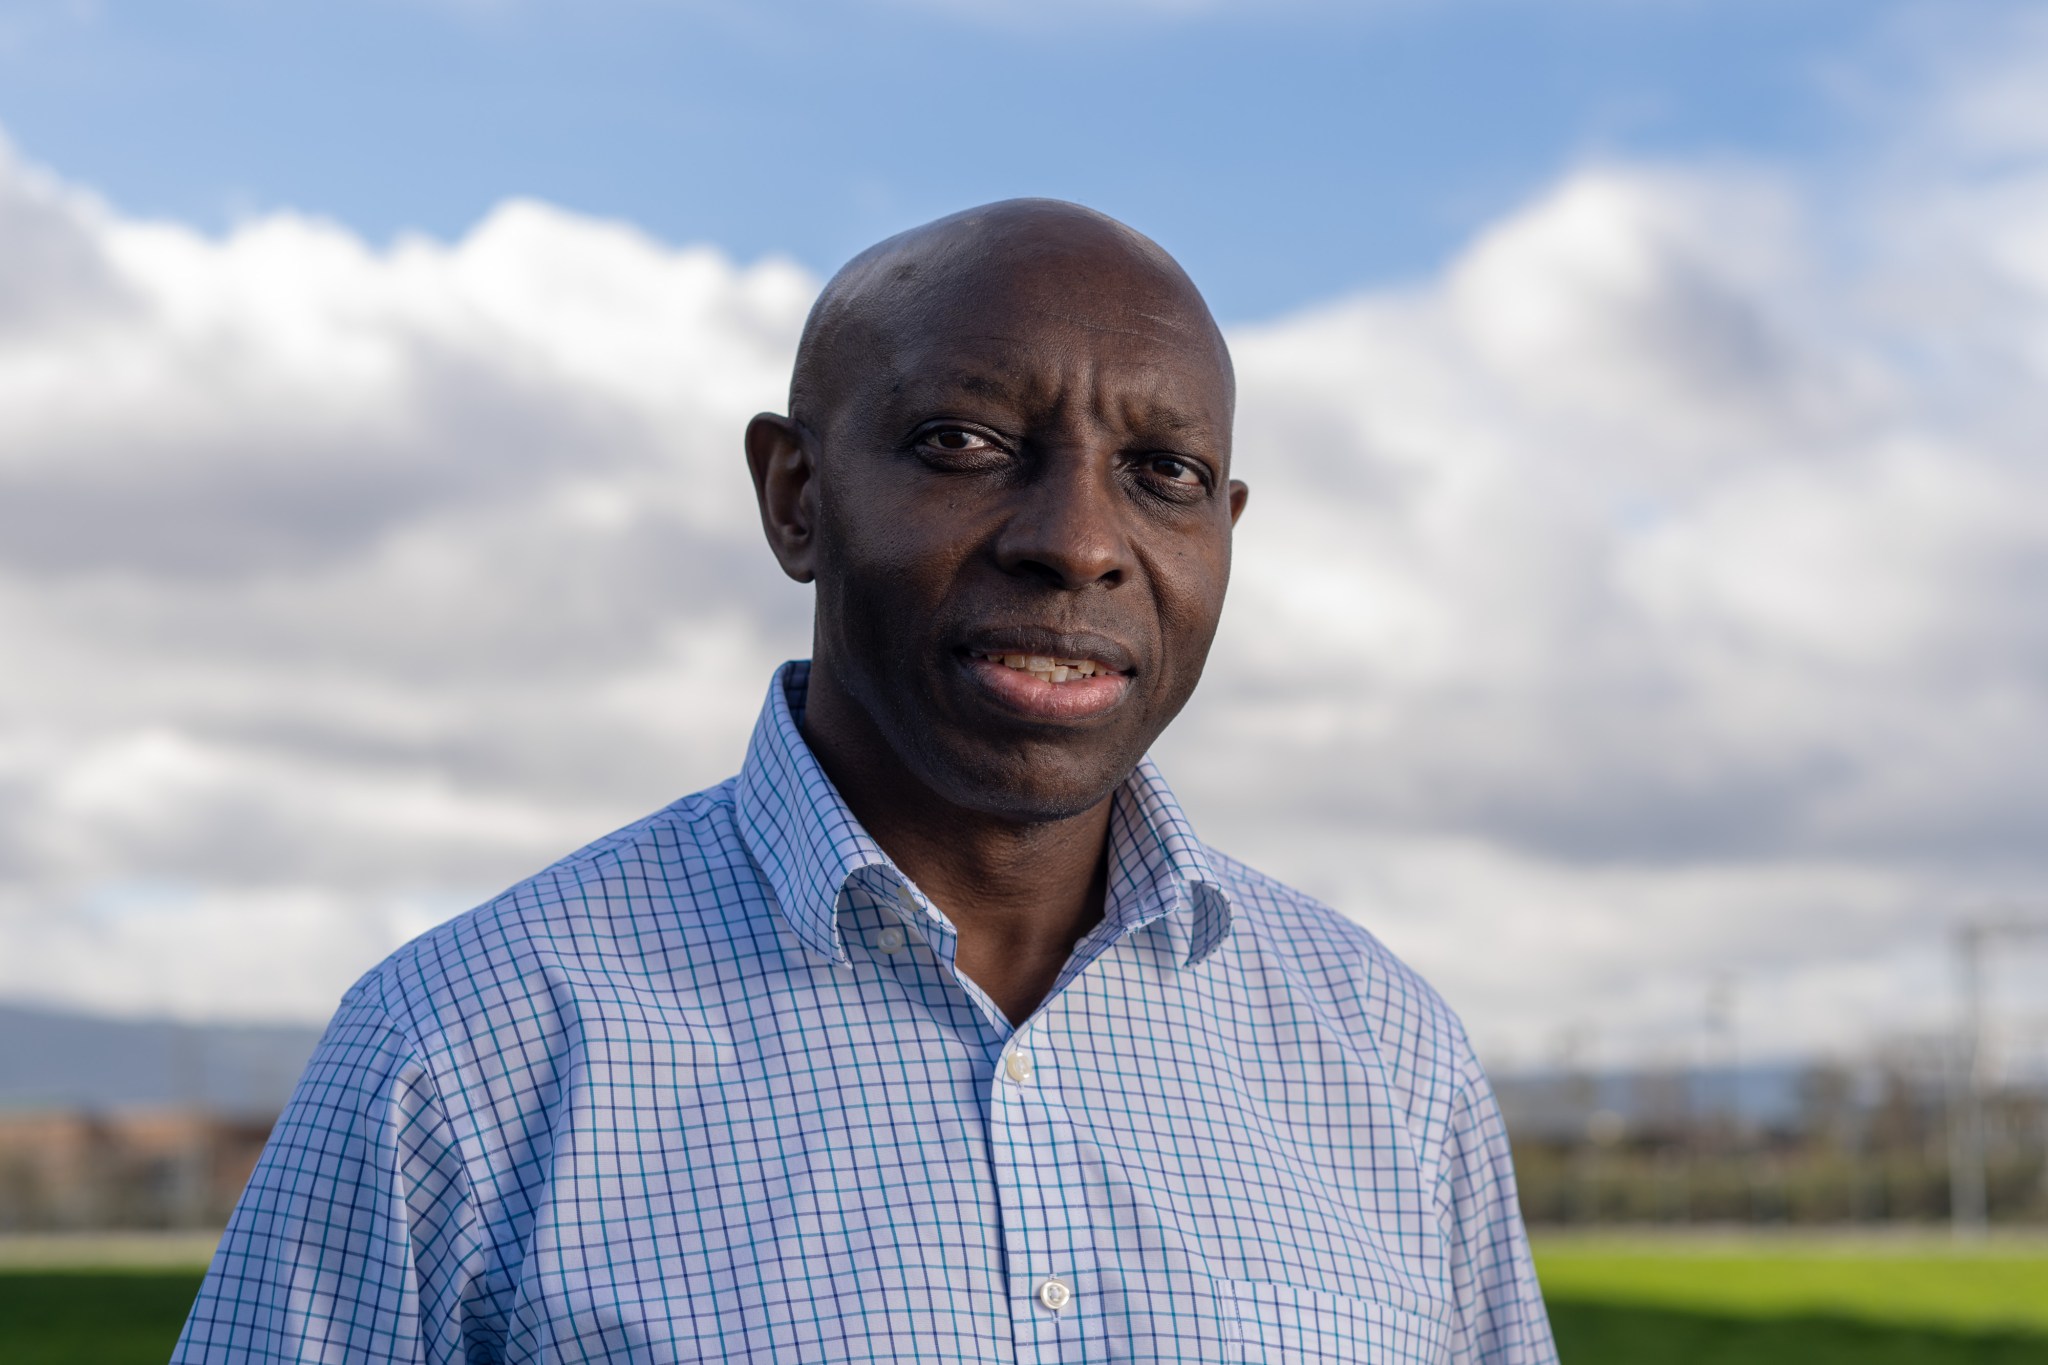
[[1036, 470]]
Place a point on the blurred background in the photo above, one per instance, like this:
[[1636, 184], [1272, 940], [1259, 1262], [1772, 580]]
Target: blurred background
[[1638, 622]]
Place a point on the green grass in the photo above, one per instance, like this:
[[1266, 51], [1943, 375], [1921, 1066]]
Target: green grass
[[1918, 1284], [93, 1317], [1662, 1301], [1704, 1301], [1593, 1333]]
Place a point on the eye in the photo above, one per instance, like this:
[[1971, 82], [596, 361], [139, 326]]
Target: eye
[[956, 441], [1174, 469]]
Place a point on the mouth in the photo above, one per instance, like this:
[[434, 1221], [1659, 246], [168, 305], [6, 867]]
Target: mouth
[[1045, 667], [1082, 681]]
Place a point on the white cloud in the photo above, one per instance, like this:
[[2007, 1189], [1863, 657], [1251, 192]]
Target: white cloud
[[1651, 596], [1656, 595], [335, 579]]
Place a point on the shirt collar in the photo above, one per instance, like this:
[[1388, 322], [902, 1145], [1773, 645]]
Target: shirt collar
[[1159, 870], [808, 845]]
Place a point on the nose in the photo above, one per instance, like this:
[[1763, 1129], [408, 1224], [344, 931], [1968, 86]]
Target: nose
[[1066, 525]]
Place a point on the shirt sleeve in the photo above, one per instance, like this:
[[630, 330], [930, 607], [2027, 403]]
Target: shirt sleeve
[[1499, 1306], [356, 1237]]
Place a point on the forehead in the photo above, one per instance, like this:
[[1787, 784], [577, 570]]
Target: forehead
[[1143, 347]]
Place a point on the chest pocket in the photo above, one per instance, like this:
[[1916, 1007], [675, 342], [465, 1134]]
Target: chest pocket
[[1278, 1324]]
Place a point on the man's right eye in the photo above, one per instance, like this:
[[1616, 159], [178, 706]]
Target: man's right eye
[[955, 440]]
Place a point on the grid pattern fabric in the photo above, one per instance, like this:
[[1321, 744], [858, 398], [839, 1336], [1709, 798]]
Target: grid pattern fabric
[[712, 1089]]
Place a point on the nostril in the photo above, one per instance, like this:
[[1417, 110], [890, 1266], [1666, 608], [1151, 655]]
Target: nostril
[[1070, 573]]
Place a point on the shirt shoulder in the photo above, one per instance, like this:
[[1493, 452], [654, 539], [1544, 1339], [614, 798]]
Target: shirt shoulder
[[653, 907], [1377, 1003]]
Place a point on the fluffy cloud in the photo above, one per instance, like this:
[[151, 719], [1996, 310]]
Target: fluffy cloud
[[1652, 596], [345, 581], [1633, 544]]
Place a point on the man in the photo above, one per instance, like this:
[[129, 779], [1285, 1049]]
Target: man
[[935, 1034]]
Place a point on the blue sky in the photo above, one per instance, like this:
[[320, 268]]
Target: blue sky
[[1288, 152]]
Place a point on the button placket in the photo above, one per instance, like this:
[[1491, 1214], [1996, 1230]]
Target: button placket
[[1047, 1213], [1019, 1066]]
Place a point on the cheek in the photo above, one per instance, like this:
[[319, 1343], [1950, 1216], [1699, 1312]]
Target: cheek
[[1189, 589], [888, 557], [902, 554]]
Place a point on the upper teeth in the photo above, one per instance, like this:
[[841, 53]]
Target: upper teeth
[[1048, 669]]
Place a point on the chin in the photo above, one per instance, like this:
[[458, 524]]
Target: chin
[[1032, 787]]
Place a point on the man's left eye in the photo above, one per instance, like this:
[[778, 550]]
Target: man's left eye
[[1176, 470]]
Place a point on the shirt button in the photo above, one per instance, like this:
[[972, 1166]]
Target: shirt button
[[1017, 1066], [1055, 1293], [890, 940]]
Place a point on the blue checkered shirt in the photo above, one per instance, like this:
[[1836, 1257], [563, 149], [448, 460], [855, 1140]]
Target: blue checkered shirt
[[713, 1089]]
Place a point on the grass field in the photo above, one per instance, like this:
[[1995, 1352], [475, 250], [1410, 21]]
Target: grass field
[[92, 1317], [1809, 1301], [1662, 1301]]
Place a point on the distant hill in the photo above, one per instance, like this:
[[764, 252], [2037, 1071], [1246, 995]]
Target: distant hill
[[1556, 1105], [60, 1059]]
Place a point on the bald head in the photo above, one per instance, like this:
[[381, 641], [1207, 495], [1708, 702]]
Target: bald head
[[1034, 256]]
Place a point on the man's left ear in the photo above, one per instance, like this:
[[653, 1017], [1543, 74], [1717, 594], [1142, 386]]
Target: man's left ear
[[786, 486], [1238, 494]]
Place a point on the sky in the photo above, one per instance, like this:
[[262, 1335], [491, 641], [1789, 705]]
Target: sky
[[1642, 403], [1286, 151]]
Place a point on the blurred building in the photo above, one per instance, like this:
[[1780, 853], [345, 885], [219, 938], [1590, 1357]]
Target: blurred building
[[1866, 1141], [69, 1170], [134, 1123], [157, 1124]]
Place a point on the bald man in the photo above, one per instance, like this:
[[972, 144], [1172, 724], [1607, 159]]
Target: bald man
[[935, 1034]]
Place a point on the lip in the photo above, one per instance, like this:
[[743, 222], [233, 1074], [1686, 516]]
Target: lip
[[1077, 699], [1053, 644]]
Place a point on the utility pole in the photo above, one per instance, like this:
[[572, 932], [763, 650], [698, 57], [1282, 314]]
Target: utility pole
[[188, 1069], [1969, 1199], [1969, 1210], [1730, 1163], [1721, 1009]]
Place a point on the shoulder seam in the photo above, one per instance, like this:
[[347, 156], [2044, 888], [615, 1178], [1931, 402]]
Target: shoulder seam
[[397, 1016], [687, 811]]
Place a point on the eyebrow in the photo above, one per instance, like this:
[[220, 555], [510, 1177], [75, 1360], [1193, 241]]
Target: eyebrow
[[1166, 419], [984, 386], [1139, 412], [928, 387]]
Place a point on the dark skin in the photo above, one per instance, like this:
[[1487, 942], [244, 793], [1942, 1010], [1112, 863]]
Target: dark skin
[[1009, 434]]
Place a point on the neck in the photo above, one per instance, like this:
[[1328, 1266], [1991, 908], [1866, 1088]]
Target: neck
[[1021, 894]]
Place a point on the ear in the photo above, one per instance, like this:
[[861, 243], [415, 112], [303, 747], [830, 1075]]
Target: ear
[[1238, 494], [786, 485]]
